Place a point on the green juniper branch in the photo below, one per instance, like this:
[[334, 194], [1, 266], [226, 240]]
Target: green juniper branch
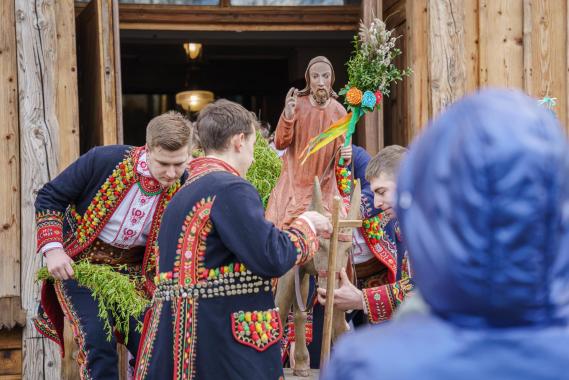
[[115, 293]]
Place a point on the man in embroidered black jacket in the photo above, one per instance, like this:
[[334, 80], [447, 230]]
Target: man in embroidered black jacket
[[380, 295], [213, 315], [106, 207]]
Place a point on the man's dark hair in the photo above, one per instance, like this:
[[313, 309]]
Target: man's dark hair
[[220, 121], [386, 162]]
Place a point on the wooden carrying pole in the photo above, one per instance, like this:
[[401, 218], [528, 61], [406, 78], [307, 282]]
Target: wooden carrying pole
[[331, 284]]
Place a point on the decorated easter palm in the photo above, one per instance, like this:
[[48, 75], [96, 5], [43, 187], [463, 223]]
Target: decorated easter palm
[[371, 72]]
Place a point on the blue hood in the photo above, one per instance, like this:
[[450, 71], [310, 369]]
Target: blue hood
[[483, 201]]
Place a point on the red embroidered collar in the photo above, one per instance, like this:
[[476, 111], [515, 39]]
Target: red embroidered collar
[[201, 166], [148, 184]]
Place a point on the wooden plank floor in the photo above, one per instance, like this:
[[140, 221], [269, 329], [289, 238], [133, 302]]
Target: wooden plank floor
[[290, 376]]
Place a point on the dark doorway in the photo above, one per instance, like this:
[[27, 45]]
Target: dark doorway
[[255, 69]]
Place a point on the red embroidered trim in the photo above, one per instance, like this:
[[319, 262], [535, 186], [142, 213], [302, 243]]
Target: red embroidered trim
[[78, 333], [304, 239], [151, 322], [382, 300], [189, 269], [104, 204], [383, 249], [149, 261], [201, 166], [49, 228], [308, 327], [190, 251], [379, 303], [185, 310], [149, 186], [45, 328], [257, 329]]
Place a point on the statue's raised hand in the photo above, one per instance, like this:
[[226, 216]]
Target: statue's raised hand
[[290, 103]]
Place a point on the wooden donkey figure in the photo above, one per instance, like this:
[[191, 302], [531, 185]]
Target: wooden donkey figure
[[292, 288]]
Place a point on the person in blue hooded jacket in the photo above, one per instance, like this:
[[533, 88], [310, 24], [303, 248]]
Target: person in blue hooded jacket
[[483, 201]]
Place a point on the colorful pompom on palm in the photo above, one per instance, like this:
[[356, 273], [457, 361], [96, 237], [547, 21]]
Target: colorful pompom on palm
[[371, 72], [368, 99], [354, 96], [344, 180], [378, 98]]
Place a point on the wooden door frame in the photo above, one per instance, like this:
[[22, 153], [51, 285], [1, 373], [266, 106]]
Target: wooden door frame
[[97, 33], [236, 18]]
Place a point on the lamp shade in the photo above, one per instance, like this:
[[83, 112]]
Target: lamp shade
[[195, 100], [193, 49]]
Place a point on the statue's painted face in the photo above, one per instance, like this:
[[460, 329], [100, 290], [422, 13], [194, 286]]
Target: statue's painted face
[[320, 82]]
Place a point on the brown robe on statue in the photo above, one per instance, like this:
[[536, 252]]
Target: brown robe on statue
[[293, 192]]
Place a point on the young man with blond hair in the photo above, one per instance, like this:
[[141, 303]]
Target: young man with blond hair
[[106, 208], [382, 292]]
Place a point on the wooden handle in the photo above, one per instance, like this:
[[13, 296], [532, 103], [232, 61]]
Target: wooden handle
[[329, 308], [350, 223]]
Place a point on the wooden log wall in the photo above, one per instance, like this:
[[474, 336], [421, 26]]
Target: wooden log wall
[[369, 133], [469, 44], [453, 47], [11, 354], [99, 59], [48, 120], [11, 313], [395, 116]]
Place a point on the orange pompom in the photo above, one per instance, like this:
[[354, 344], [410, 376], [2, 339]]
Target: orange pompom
[[354, 96]]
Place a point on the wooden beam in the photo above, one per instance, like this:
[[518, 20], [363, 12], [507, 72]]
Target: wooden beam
[[395, 115], [9, 157], [545, 51], [107, 62], [370, 134], [527, 45], [501, 43], [349, 223], [11, 312], [446, 42], [417, 60], [117, 68], [566, 99], [11, 354], [98, 62], [271, 18], [69, 367], [395, 14], [47, 108], [10, 339], [471, 45], [330, 284], [66, 97]]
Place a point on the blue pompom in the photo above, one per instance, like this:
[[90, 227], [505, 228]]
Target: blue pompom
[[368, 100]]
